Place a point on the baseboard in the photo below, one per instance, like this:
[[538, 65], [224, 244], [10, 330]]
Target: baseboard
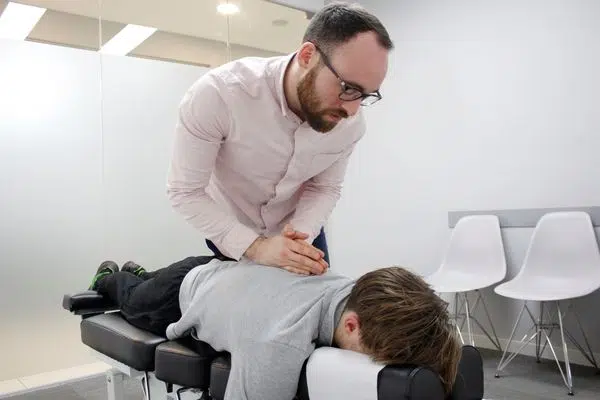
[[575, 356], [51, 379]]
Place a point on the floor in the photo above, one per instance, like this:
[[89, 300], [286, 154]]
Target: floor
[[522, 379]]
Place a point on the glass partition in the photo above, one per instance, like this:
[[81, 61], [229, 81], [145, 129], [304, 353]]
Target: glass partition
[[89, 95]]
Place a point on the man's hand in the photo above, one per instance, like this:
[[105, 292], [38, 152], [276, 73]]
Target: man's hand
[[293, 255]]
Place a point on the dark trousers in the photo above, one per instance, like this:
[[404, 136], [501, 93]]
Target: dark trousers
[[320, 243], [150, 301]]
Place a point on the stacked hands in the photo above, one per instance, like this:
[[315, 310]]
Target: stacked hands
[[289, 251]]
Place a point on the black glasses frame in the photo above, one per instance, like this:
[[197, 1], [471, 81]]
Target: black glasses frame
[[350, 92]]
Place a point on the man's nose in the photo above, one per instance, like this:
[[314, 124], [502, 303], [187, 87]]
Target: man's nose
[[351, 107]]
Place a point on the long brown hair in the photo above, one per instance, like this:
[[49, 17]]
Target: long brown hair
[[403, 321]]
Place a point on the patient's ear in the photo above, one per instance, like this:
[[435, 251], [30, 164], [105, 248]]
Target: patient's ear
[[351, 322]]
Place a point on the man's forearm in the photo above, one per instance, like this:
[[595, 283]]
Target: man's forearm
[[314, 208], [232, 237]]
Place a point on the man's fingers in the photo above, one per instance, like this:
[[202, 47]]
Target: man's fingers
[[295, 270], [305, 249], [295, 235], [305, 263]]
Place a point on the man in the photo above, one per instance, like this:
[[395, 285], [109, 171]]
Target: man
[[262, 144], [270, 321]]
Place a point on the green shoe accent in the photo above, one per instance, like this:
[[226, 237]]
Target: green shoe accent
[[105, 269], [133, 268]]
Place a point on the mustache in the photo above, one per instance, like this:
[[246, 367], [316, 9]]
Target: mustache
[[337, 112]]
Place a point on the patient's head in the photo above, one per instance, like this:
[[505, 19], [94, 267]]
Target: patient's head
[[396, 318]]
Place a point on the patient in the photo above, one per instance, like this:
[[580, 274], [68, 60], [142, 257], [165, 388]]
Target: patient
[[271, 321]]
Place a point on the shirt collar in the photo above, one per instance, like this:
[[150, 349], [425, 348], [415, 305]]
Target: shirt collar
[[279, 88]]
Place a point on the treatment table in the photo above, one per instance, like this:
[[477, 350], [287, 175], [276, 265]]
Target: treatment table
[[190, 369]]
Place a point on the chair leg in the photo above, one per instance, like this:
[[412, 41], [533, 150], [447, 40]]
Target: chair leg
[[568, 380], [497, 341], [456, 313], [538, 339], [503, 363], [541, 329], [590, 356], [468, 318]]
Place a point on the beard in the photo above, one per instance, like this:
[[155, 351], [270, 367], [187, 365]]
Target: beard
[[311, 106]]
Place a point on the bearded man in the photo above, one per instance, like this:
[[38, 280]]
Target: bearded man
[[262, 145]]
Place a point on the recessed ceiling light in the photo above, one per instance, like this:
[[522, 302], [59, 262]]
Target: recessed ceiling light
[[127, 39], [228, 9], [18, 20]]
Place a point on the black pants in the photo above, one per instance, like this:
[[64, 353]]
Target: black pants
[[150, 301], [320, 243]]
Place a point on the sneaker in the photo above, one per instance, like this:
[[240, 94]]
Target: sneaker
[[133, 268], [106, 268]]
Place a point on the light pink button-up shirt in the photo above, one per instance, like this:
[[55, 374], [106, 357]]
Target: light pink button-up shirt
[[244, 164]]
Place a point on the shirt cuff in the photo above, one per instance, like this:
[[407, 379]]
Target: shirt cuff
[[236, 241]]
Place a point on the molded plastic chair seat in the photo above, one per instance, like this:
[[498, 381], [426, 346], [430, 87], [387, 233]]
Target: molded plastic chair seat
[[562, 263], [459, 281], [474, 260], [546, 288]]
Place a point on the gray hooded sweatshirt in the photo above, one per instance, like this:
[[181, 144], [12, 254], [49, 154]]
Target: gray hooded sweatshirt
[[270, 320]]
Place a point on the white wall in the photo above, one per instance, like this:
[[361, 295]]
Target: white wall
[[84, 149], [488, 104]]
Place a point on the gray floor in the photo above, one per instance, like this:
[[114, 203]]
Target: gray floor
[[522, 379]]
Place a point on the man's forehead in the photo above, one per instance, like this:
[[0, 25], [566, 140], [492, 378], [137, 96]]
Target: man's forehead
[[362, 63]]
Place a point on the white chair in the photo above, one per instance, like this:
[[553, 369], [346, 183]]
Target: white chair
[[561, 263], [474, 260]]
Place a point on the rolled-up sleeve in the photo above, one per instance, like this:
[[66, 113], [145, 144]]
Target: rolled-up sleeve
[[202, 126]]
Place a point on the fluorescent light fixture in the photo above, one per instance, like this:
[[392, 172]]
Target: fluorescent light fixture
[[127, 39], [228, 9], [18, 20]]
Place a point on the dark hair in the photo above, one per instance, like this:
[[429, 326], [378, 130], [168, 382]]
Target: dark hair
[[403, 321], [338, 22]]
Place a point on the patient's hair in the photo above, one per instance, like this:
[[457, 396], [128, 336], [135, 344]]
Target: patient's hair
[[403, 321]]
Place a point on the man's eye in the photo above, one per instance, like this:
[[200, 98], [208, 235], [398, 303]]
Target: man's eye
[[352, 91]]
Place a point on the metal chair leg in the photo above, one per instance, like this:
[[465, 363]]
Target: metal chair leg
[[569, 381], [468, 318], [502, 364]]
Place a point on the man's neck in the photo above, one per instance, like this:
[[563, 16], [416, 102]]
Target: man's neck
[[290, 84]]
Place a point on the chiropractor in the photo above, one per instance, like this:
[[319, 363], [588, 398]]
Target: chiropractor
[[262, 144]]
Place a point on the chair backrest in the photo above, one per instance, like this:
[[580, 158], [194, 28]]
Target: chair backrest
[[563, 244], [476, 246]]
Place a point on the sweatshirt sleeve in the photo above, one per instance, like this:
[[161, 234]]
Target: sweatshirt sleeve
[[202, 126]]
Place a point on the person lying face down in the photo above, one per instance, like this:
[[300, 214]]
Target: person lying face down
[[270, 320]]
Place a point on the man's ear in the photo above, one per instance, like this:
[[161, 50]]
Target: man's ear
[[307, 55]]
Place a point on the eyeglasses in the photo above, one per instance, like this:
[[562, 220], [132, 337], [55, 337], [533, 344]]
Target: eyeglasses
[[350, 92]]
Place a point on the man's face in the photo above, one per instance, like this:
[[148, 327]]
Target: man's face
[[361, 63]]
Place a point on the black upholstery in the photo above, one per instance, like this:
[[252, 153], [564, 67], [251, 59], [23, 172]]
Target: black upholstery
[[469, 379], [87, 302], [185, 362], [408, 382], [111, 335], [219, 374]]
